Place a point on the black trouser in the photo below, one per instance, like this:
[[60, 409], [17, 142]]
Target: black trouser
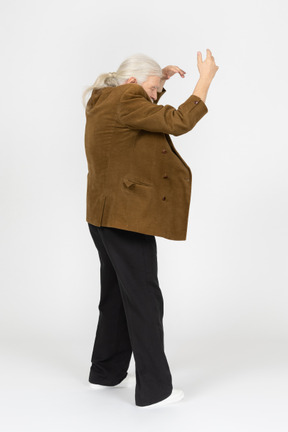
[[130, 315]]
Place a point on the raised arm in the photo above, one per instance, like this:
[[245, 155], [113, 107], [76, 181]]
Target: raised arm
[[137, 112]]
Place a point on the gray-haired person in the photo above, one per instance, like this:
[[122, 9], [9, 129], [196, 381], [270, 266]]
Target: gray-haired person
[[138, 187]]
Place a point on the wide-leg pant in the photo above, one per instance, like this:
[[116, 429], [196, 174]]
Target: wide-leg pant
[[130, 315]]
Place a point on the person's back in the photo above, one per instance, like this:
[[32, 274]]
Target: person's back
[[137, 180]]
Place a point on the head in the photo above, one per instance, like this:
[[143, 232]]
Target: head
[[136, 69]]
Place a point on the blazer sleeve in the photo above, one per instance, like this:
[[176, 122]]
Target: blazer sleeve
[[136, 111]]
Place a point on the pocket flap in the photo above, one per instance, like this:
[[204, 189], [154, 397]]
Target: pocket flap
[[128, 182]]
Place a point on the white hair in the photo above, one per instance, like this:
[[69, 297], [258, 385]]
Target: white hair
[[139, 66]]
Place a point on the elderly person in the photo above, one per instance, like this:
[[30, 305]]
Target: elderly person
[[138, 187]]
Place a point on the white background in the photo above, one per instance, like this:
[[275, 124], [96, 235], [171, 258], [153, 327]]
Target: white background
[[225, 287]]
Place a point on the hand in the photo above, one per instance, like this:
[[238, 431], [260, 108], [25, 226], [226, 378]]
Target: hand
[[207, 68], [170, 70]]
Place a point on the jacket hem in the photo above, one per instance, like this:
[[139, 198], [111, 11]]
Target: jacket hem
[[147, 231]]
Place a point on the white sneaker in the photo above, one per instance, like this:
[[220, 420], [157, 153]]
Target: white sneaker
[[175, 396], [129, 381]]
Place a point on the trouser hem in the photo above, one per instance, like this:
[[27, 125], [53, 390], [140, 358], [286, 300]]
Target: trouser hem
[[107, 382], [155, 400]]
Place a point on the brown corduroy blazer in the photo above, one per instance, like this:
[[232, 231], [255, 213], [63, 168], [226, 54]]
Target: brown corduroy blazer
[[136, 179]]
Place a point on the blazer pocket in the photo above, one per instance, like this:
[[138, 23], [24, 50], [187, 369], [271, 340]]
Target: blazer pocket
[[129, 182]]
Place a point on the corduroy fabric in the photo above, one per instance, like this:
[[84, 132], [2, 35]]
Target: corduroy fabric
[[136, 179]]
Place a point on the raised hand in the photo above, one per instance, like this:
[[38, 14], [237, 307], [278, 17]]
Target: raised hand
[[170, 70], [207, 68]]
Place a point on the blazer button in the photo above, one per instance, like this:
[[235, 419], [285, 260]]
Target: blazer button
[[164, 151], [165, 176], [196, 102], [164, 198]]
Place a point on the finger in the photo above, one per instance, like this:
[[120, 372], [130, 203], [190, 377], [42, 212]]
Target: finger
[[209, 53], [199, 56], [181, 72], [175, 69], [179, 69]]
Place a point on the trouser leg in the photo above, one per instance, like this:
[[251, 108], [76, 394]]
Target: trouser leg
[[134, 258], [112, 349]]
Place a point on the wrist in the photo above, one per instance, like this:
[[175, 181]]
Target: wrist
[[204, 79]]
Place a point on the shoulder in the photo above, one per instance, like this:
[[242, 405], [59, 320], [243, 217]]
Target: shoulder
[[132, 90], [119, 93]]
